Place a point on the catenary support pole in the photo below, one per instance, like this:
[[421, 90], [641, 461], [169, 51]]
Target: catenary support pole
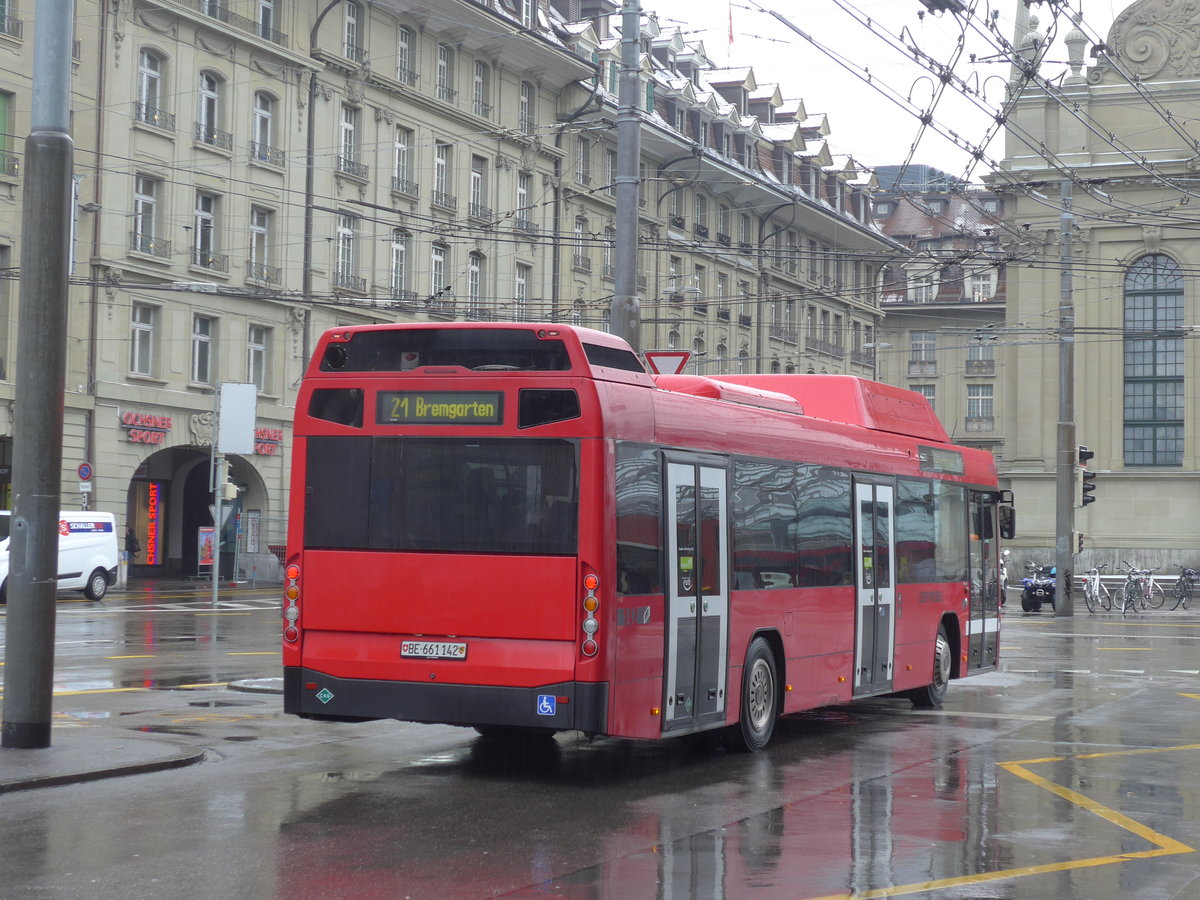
[[1064, 480], [626, 314], [40, 385]]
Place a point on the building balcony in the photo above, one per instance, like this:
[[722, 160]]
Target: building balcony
[[700, 308], [744, 320], [723, 313], [12, 26], [980, 424], [353, 52], [344, 281], [783, 333], [677, 221], [263, 273], [700, 231], [479, 211], [403, 295], [523, 223], [446, 94], [407, 77], [723, 239], [481, 109], [153, 116], [349, 166], [10, 164], [922, 368], [149, 245], [581, 262], [404, 186], [213, 137], [206, 259], [608, 271], [262, 153], [444, 200]]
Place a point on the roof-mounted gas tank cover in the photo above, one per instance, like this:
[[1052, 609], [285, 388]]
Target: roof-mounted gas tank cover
[[855, 401]]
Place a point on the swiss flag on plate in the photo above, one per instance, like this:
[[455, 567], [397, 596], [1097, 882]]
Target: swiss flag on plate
[[667, 362]]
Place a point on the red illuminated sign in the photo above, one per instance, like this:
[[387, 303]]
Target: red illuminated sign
[[146, 428], [267, 441], [152, 517]]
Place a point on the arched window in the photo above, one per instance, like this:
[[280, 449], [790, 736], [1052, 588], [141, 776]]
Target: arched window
[[262, 147], [1153, 364], [209, 112], [150, 91], [673, 340]]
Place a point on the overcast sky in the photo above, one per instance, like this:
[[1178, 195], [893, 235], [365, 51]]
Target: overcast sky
[[864, 123]]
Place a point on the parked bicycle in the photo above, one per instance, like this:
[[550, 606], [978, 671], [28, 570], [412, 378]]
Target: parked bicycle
[[1185, 586], [1095, 594], [1140, 590]]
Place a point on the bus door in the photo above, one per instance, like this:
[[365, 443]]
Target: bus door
[[875, 586], [697, 593], [983, 627]]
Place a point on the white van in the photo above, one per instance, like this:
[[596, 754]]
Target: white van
[[87, 552]]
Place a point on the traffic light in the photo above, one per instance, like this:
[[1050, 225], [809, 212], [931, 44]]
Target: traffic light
[[1087, 482]]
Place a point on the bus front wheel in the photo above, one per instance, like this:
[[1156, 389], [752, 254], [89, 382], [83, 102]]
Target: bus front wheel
[[760, 698]]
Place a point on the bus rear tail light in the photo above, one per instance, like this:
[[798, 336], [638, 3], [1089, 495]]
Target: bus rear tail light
[[591, 604], [291, 607]]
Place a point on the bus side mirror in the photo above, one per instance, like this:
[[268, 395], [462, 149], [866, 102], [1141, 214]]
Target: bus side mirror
[[1008, 522]]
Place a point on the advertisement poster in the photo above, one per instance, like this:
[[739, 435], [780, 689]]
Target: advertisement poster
[[206, 535]]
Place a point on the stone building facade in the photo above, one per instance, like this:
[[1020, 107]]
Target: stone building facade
[[252, 172], [1110, 141]]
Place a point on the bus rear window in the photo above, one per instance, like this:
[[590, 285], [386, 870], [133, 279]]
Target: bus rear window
[[450, 495], [479, 349]]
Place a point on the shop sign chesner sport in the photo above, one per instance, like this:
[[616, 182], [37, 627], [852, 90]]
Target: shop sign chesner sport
[[146, 428]]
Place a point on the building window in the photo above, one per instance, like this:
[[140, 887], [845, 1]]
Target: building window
[[983, 285], [257, 347], [479, 195], [480, 92], [439, 289], [208, 113], [150, 91], [441, 175], [474, 285], [521, 292], [145, 215], [404, 67], [924, 346], [583, 160], [143, 323], [346, 264], [445, 73], [527, 12], [610, 172], [266, 21], [204, 233], [202, 335], [979, 401], [526, 107], [258, 266], [399, 265], [981, 351], [921, 288], [925, 390], [351, 42], [262, 147], [348, 142], [1154, 362]]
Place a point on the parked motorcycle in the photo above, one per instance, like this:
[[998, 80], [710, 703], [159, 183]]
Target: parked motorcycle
[[1038, 587]]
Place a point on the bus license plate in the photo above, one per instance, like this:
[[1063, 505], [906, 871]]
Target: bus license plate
[[434, 649]]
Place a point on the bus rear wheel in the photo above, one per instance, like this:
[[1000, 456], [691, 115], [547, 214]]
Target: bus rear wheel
[[934, 693], [760, 698]]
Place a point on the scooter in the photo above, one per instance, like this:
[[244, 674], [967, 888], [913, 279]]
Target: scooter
[[1039, 587]]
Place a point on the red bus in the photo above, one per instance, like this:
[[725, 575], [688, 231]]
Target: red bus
[[517, 527]]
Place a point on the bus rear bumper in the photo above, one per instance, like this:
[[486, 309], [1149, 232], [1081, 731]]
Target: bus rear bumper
[[566, 706]]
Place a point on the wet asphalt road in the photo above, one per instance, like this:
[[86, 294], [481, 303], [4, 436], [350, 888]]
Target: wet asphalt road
[[1070, 773]]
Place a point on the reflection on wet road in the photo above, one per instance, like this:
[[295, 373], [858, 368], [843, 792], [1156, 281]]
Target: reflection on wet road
[[1067, 774]]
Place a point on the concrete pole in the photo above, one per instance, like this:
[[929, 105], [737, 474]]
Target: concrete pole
[[40, 385], [1064, 477], [625, 309]]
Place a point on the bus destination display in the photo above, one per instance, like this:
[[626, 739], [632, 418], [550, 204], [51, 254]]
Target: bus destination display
[[439, 408]]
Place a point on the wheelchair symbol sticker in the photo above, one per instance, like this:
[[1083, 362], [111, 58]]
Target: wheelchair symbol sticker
[[547, 704]]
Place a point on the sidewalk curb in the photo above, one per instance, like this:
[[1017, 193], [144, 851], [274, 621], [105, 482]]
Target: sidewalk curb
[[78, 777]]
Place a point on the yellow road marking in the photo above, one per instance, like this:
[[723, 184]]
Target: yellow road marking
[[205, 684], [134, 656], [1166, 846], [129, 690]]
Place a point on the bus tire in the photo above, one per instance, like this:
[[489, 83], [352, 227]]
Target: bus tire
[[932, 694], [760, 698], [97, 585]]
